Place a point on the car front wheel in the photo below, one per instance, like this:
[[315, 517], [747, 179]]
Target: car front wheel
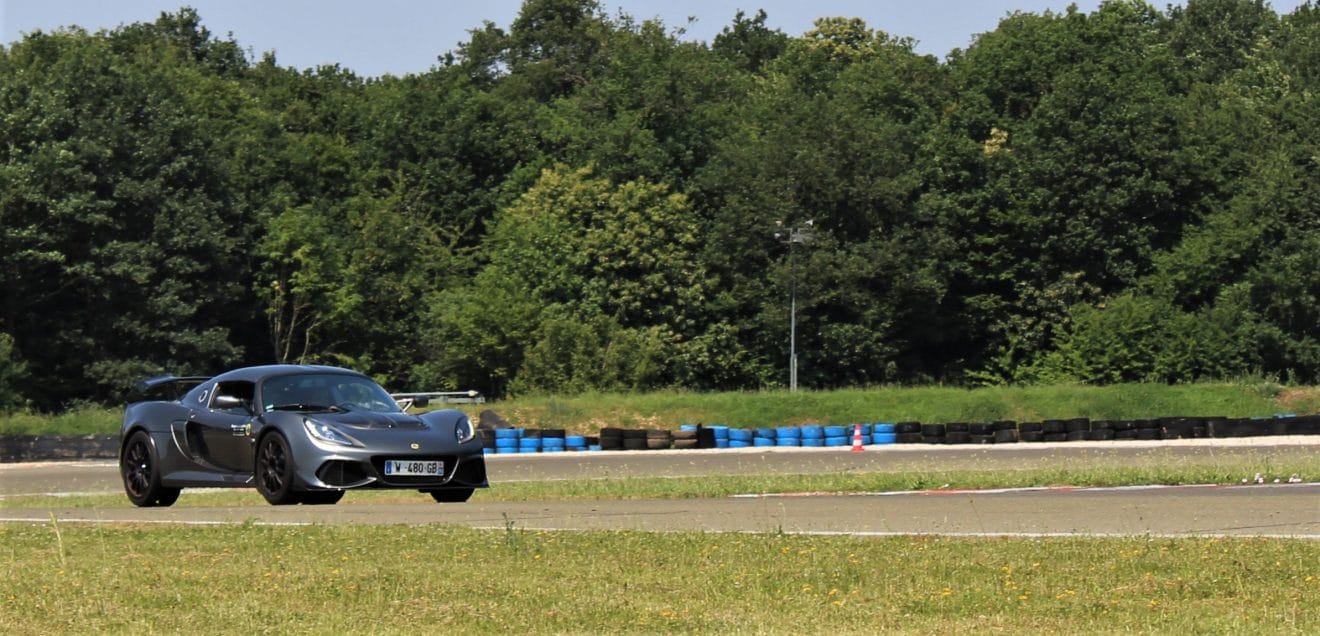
[[275, 471], [140, 468], [452, 495]]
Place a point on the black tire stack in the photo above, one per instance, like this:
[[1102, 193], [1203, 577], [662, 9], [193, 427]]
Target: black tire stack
[[932, 433], [907, 433], [611, 438], [658, 439], [1005, 432], [1077, 429], [1031, 431], [634, 439]]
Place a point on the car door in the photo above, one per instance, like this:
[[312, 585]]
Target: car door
[[224, 427]]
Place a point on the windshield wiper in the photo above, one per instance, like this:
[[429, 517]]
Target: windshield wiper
[[302, 406]]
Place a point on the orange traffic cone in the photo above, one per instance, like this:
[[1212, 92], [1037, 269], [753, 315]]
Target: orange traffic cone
[[857, 438]]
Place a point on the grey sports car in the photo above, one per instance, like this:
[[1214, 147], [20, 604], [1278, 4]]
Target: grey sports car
[[300, 434]]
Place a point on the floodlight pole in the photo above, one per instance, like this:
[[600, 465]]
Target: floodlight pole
[[800, 234]]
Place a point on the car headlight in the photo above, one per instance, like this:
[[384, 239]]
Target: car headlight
[[323, 432], [463, 430]]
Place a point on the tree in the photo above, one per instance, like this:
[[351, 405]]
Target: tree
[[119, 247], [578, 248]]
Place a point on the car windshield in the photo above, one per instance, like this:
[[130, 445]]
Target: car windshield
[[325, 392]]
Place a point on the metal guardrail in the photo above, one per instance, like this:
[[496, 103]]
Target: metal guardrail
[[406, 400]]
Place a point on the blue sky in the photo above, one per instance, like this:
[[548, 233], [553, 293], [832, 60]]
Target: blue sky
[[374, 37]]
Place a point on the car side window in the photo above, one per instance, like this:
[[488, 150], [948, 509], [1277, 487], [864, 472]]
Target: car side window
[[241, 390]]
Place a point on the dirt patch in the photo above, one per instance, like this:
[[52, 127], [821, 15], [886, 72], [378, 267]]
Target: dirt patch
[[1302, 401]]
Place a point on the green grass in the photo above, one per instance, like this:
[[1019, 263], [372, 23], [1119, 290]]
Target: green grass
[[1154, 469], [890, 404], [588, 413], [394, 579], [83, 421]]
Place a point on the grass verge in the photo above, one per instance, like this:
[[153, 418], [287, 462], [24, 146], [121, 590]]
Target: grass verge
[[319, 579], [1155, 469], [587, 414]]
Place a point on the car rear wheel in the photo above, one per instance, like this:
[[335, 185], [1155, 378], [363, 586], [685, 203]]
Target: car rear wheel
[[275, 471], [140, 468], [452, 495]]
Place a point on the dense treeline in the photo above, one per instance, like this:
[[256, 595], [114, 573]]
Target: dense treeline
[[583, 201]]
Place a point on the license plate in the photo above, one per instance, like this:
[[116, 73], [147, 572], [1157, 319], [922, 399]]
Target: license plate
[[406, 467]]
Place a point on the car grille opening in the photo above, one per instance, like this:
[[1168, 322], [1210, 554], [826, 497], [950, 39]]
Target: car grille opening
[[343, 474], [472, 473]]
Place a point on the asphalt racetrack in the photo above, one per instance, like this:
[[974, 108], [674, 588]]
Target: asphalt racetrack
[[1267, 510]]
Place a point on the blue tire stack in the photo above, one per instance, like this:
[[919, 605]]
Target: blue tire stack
[[788, 436], [883, 433], [506, 439], [721, 435], [554, 444], [764, 437], [813, 435], [837, 436], [575, 442], [529, 445], [740, 437]]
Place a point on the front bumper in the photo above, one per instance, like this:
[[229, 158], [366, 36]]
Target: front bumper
[[460, 471]]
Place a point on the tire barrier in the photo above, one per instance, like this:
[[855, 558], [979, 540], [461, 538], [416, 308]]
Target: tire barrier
[[697, 436]]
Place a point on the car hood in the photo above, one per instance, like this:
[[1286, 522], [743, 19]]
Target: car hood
[[367, 420]]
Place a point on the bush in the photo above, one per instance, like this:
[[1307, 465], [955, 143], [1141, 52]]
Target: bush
[[1133, 338], [12, 372]]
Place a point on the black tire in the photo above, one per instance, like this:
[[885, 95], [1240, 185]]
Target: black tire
[[1056, 437], [321, 497], [1005, 425], [1076, 436], [682, 434], [140, 468], [553, 433], [957, 427], [685, 443], [1030, 427], [1032, 436], [1054, 426], [932, 430], [274, 471], [981, 428], [957, 437], [1100, 435], [1006, 436], [451, 495], [907, 427], [908, 438], [658, 443], [1077, 425], [634, 443]]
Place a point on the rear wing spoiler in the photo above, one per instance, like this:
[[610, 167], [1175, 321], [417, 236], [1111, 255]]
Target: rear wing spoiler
[[164, 387], [407, 400]]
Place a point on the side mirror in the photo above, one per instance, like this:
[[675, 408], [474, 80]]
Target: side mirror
[[421, 401]]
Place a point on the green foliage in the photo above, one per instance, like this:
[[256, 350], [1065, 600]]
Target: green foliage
[[1144, 339], [580, 201], [12, 370]]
